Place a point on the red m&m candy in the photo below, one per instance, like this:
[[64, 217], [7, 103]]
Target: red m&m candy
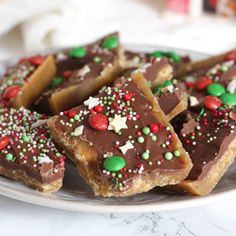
[[4, 142], [11, 92], [36, 60], [98, 121], [154, 128], [202, 83], [212, 103]]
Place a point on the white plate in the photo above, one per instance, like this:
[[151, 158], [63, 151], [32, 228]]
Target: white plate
[[76, 196]]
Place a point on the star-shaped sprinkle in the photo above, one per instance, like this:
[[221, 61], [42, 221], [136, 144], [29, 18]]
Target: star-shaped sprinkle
[[39, 123], [117, 123], [91, 102], [85, 70], [78, 131], [44, 159], [128, 145]]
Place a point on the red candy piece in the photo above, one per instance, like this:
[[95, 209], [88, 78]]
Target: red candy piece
[[212, 103], [127, 97], [71, 114], [36, 60], [67, 74], [11, 92], [202, 83], [154, 128], [98, 121], [4, 142], [98, 108], [231, 56], [189, 84]]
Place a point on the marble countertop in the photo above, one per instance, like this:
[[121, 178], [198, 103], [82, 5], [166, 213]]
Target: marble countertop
[[18, 218]]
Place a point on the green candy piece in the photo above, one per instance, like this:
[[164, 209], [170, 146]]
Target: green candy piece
[[177, 153], [145, 156], [168, 156], [215, 89], [141, 139], [114, 163], [228, 99], [173, 56], [110, 42], [78, 52], [163, 85], [9, 156], [56, 82], [26, 139], [77, 117], [146, 130], [97, 59], [157, 54]]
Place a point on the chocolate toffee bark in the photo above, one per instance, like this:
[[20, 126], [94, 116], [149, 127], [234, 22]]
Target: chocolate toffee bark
[[23, 83], [209, 136], [208, 133], [180, 64], [75, 58], [101, 61], [121, 141], [171, 97], [215, 84], [27, 152]]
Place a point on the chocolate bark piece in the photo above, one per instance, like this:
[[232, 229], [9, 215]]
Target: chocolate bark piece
[[155, 72], [217, 80], [27, 151], [171, 97], [101, 63], [121, 141], [181, 64], [23, 83], [209, 136], [205, 64], [75, 58]]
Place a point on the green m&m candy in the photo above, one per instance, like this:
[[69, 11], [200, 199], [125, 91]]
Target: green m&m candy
[[114, 163], [228, 99], [174, 56], [110, 42], [56, 82], [215, 89], [163, 85], [157, 54], [78, 52]]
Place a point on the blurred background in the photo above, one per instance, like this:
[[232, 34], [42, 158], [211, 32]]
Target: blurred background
[[202, 25]]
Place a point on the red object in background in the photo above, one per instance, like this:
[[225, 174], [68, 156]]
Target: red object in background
[[180, 6]]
